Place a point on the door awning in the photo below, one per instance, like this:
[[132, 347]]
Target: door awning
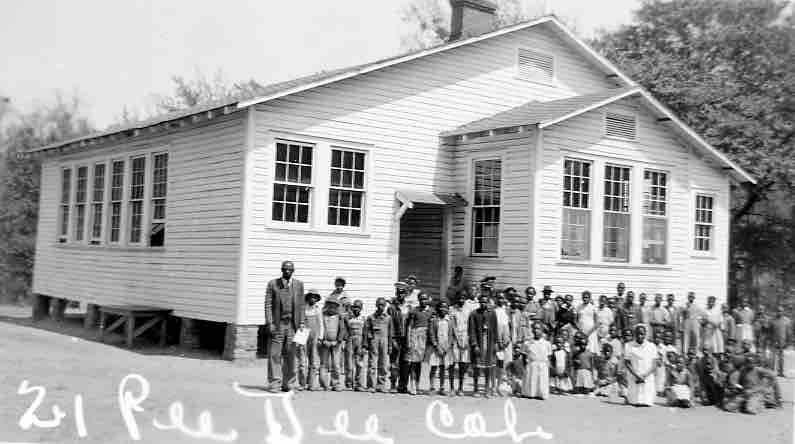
[[411, 197]]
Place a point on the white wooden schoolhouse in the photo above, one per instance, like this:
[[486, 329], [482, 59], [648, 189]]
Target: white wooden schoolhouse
[[517, 152]]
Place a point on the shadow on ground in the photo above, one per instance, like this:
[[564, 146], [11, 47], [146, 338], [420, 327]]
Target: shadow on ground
[[72, 325]]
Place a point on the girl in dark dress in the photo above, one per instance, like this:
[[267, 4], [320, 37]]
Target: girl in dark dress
[[483, 344]]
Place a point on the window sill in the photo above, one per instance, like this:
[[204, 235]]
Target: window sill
[[703, 255], [484, 256], [106, 247], [301, 228], [622, 265]]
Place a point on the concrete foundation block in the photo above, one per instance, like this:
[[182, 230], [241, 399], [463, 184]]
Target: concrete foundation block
[[240, 342], [41, 307], [92, 317], [189, 333], [58, 309]]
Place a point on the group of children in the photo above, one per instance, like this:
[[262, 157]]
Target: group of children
[[514, 345]]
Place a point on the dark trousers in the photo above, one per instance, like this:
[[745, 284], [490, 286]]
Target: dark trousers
[[282, 351], [399, 376]]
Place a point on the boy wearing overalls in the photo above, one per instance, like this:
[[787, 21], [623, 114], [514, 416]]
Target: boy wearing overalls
[[354, 348], [378, 334]]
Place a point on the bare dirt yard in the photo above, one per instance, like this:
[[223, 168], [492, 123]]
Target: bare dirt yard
[[83, 380]]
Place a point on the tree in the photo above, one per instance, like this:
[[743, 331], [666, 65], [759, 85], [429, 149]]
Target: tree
[[428, 21], [725, 68], [200, 90], [19, 187]]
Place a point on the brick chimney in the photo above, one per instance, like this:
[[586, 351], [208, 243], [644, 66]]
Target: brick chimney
[[471, 18]]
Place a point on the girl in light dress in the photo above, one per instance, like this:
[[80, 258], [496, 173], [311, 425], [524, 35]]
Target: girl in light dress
[[538, 351], [442, 336], [640, 360], [587, 323], [504, 346], [604, 319], [583, 365]]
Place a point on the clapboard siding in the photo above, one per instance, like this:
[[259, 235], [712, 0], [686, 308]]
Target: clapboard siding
[[512, 266], [708, 273], [196, 273], [655, 148], [398, 112]]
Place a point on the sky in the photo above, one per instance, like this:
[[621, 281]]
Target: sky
[[113, 53]]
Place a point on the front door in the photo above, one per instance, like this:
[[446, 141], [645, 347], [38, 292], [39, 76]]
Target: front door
[[422, 251]]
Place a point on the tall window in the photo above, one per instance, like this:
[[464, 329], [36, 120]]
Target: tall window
[[157, 234], [655, 217], [97, 202], [704, 223], [347, 188], [615, 247], [66, 190], [81, 187], [136, 202], [486, 207], [116, 196], [576, 229], [292, 182]]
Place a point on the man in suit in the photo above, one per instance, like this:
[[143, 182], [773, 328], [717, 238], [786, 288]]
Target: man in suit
[[284, 314]]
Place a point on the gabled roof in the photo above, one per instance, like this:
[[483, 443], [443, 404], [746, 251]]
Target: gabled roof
[[281, 89], [536, 113], [545, 114]]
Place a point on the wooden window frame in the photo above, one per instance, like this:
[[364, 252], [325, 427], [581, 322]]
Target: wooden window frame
[[79, 232], [309, 188], [142, 200], [472, 210], [152, 198], [352, 189], [588, 208], [66, 172], [101, 203], [646, 203], [609, 211], [710, 239], [120, 201]]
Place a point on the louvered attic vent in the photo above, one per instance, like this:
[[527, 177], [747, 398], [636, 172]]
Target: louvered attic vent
[[620, 125], [533, 65]]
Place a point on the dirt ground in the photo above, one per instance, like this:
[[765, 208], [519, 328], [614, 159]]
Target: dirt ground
[[67, 362]]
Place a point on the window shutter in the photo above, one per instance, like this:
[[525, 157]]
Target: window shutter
[[620, 125], [534, 65]]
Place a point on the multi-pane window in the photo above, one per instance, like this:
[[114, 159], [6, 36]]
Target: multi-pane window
[[81, 187], [704, 223], [97, 203], [157, 234], [486, 207], [576, 226], [136, 201], [292, 182], [66, 190], [655, 217], [346, 194], [116, 196], [615, 242]]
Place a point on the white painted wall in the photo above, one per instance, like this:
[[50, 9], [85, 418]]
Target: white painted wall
[[396, 114], [195, 274], [512, 266], [656, 148]]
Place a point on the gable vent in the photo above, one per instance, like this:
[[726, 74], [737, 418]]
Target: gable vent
[[533, 65], [620, 125]]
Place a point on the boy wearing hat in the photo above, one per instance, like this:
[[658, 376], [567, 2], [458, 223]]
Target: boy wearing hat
[[378, 336], [549, 311], [355, 373], [398, 312], [308, 354], [334, 334]]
